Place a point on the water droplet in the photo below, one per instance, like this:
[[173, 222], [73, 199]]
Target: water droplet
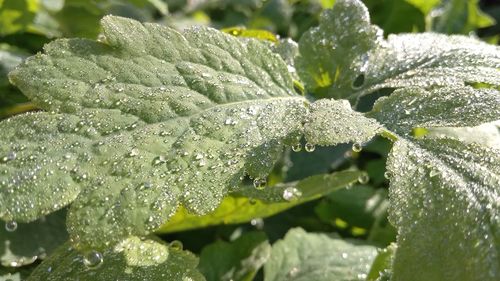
[[364, 178], [257, 222], [134, 152], [9, 157], [176, 245], [345, 255], [159, 160], [252, 201], [93, 259], [11, 226], [297, 147], [293, 272], [387, 175], [259, 183], [291, 194], [310, 147], [357, 147]]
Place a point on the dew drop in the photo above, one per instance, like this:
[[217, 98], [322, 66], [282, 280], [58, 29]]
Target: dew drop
[[176, 245], [11, 226], [259, 183], [293, 272], [297, 147], [93, 259], [310, 147], [134, 152], [291, 194], [387, 175], [257, 222], [357, 147], [364, 178], [159, 160], [9, 157]]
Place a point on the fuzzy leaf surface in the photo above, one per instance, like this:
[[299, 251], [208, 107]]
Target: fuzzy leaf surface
[[146, 120]]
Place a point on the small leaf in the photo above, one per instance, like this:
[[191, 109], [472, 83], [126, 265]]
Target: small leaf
[[29, 242], [249, 203], [132, 259], [310, 256], [381, 266], [334, 54], [237, 260]]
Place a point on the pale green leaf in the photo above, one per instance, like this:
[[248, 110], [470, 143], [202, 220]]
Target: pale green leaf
[[132, 259], [248, 203], [309, 256], [424, 5], [486, 134], [445, 202], [238, 260], [145, 120], [25, 243]]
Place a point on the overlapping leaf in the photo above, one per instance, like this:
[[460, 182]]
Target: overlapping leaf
[[444, 192], [131, 259], [311, 256]]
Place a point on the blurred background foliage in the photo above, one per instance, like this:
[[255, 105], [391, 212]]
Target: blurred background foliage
[[358, 211]]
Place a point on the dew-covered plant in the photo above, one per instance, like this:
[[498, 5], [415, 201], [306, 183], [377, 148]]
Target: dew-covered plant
[[148, 122]]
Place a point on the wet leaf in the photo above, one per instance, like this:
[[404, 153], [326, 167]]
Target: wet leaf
[[310, 256], [130, 138], [345, 57], [237, 260], [132, 259]]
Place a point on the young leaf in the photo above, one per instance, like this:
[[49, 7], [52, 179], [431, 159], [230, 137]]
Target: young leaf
[[141, 121], [132, 259], [247, 203], [309, 256], [238, 260]]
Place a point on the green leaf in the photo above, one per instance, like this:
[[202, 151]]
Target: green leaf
[[439, 107], [24, 243], [310, 256], [460, 16], [397, 16], [132, 259], [333, 122], [365, 62], [16, 15], [346, 29], [249, 203], [147, 119], [359, 208], [448, 191], [238, 260], [381, 266], [425, 6], [443, 191]]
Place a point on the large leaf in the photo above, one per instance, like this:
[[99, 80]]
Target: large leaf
[[132, 259], [237, 260], [146, 119], [444, 192], [309, 256], [247, 203]]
